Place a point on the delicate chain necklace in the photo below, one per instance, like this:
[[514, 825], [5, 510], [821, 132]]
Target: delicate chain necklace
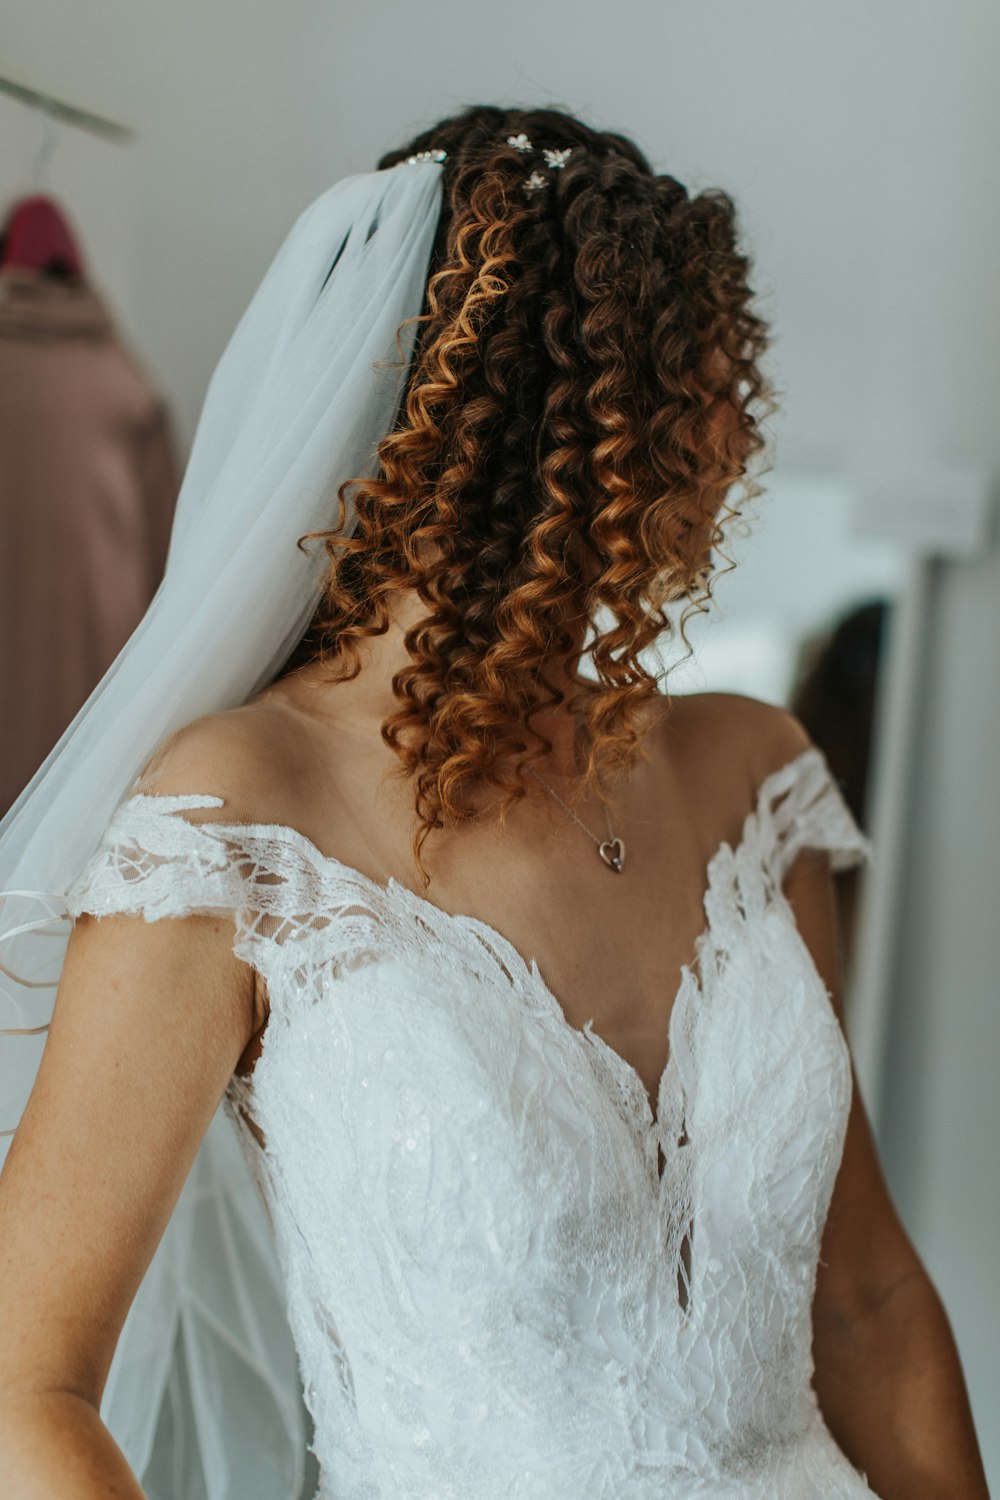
[[611, 850]]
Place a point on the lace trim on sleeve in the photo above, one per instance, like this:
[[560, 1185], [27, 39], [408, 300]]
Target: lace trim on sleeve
[[154, 861], [811, 814], [161, 866]]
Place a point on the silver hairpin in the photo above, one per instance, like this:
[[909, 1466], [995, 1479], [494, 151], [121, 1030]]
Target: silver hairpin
[[554, 159], [422, 156]]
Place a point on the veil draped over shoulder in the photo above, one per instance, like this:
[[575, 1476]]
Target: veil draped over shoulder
[[203, 1395]]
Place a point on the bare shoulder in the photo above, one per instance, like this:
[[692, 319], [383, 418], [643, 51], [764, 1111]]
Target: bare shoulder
[[732, 739], [245, 756]]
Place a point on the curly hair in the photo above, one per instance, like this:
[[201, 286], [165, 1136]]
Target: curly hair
[[579, 400]]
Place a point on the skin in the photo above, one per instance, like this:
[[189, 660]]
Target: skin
[[151, 1020]]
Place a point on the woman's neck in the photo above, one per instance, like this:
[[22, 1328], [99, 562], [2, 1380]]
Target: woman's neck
[[366, 700]]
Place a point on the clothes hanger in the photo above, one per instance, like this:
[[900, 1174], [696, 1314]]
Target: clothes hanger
[[37, 236]]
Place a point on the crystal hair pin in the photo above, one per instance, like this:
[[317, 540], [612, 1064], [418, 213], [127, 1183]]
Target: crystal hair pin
[[555, 159]]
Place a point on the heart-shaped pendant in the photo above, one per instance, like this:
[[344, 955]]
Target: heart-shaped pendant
[[612, 851]]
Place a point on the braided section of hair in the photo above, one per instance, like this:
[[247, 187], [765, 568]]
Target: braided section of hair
[[581, 397]]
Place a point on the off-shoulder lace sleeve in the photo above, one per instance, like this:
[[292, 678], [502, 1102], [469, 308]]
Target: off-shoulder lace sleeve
[[802, 807], [152, 862], [163, 856]]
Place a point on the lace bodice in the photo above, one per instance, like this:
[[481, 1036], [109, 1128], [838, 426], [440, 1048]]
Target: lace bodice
[[505, 1276]]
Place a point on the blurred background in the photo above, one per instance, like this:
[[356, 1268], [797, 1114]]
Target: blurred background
[[174, 145]]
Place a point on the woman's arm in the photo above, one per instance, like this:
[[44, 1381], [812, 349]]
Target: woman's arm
[[150, 1021], [887, 1371], [53, 1443], [891, 1387]]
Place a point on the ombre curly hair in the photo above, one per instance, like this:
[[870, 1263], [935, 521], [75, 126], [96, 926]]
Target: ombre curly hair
[[584, 389]]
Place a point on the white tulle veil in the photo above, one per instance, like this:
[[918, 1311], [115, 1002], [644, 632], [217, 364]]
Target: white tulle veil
[[203, 1395]]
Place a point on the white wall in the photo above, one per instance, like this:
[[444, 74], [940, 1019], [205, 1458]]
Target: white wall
[[940, 1117], [857, 138], [860, 141]]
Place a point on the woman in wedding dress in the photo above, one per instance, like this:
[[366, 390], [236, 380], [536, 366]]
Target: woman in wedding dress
[[516, 977]]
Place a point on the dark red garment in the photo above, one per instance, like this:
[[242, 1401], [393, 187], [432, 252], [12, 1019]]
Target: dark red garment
[[88, 486], [38, 237]]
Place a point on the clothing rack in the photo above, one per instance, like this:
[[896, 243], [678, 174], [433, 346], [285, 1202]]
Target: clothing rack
[[35, 93]]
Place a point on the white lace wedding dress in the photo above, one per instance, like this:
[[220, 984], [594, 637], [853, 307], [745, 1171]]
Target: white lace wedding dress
[[505, 1277]]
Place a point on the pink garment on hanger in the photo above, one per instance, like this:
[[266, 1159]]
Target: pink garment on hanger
[[88, 485]]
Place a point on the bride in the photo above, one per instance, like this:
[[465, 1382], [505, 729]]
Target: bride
[[515, 978]]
